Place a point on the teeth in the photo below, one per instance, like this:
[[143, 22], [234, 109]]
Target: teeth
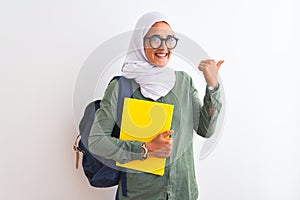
[[162, 54]]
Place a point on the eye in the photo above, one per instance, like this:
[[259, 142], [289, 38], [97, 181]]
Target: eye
[[171, 42], [155, 39]]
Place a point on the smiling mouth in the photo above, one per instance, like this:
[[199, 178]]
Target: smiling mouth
[[161, 55]]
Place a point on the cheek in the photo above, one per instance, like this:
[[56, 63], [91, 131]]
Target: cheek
[[149, 54]]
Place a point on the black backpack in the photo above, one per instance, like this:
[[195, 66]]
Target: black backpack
[[99, 171]]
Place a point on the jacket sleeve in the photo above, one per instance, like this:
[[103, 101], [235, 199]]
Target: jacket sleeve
[[100, 141], [204, 124]]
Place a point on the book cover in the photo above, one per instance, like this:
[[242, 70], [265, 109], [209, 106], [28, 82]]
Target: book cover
[[142, 121]]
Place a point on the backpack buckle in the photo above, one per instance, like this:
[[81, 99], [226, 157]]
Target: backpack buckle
[[77, 149]]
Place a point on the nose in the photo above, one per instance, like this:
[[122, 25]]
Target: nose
[[163, 45]]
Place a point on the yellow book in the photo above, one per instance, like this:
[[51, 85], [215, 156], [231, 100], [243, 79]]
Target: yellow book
[[142, 121]]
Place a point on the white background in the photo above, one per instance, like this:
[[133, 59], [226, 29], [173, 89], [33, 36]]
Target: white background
[[43, 45]]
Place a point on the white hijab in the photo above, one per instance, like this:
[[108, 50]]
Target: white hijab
[[155, 82]]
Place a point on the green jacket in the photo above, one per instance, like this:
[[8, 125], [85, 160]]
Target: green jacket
[[179, 181]]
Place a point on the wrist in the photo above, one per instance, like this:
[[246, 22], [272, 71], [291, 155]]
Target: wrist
[[149, 147], [213, 86]]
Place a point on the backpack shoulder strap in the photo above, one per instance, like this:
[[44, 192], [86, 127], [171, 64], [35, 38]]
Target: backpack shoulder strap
[[125, 90]]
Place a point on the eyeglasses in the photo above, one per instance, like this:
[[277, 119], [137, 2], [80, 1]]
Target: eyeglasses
[[156, 42]]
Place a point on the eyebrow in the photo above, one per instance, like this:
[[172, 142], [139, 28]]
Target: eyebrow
[[160, 36]]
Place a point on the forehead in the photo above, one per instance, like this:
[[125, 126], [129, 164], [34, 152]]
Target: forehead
[[160, 28]]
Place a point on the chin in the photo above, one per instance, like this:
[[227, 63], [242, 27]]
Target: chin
[[160, 64]]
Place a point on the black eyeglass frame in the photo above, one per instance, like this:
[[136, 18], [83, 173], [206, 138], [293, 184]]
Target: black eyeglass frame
[[161, 41]]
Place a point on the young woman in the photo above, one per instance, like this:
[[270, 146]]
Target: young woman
[[146, 65]]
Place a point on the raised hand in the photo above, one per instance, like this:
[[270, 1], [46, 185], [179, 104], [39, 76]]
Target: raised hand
[[210, 71]]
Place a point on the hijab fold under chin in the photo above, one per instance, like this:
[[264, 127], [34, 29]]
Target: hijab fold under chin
[[155, 82]]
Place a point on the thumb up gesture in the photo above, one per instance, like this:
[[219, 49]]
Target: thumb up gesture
[[210, 71]]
